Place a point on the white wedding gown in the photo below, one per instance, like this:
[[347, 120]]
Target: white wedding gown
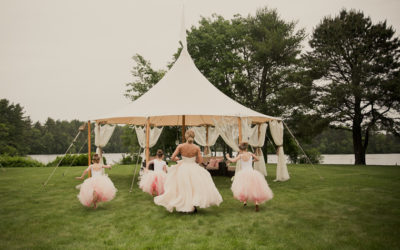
[[188, 185]]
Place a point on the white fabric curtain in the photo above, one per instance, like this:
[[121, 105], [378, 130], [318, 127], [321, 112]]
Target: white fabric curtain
[[201, 136], [276, 128], [102, 136], [154, 135], [246, 129], [228, 129], [258, 142]]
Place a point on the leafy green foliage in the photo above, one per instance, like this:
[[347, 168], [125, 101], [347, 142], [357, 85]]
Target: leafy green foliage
[[14, 129], [145, 78], [18, 161], [253, 59], [72, 160], [357, 65]]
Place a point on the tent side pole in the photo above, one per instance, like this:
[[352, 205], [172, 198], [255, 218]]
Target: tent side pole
[[258, 136], [89, 148], [147, 140], [240, 129], [183, 128]]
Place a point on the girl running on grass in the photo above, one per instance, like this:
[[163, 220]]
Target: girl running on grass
[[98, 188], [152, 182], [249, 184]]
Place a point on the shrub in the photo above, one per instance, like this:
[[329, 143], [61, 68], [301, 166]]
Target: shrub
[[19, 161], [129, 159], [313, 154], [73, 160]]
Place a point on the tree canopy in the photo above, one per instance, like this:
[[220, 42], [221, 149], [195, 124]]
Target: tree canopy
[[356, 71]]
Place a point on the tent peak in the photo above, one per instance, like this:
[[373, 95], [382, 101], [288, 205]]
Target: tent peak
[[183, 28]]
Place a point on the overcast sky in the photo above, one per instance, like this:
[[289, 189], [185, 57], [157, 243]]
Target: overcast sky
[[71, 59]]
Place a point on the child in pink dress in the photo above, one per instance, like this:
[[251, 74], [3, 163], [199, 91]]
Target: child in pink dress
[[97, 188], [249, 184], [152, 182]]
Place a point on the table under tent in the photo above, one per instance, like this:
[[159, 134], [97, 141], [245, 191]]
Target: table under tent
[[184, 97]]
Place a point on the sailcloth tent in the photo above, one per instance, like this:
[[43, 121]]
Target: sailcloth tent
[[184, 97], [183, 91]]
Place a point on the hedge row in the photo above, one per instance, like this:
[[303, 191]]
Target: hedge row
[[73, 160], [19, 161]]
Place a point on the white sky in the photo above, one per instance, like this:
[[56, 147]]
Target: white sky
[[70, 59]]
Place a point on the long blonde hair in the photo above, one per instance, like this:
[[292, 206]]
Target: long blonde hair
[[189, 135]]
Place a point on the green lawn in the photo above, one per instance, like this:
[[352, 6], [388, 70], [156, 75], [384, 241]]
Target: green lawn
[[353, 207]]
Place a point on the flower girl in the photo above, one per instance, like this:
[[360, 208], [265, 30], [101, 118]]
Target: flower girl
[[249, 184], [152, 182], [98, 188]]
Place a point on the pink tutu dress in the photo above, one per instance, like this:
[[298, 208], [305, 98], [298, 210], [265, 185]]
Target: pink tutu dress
[[152, 182], [188, 185], [250, 185], [98, 183]]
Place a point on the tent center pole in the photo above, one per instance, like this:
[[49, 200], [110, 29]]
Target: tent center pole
[[183, 128], [206, 148], [240, 129]]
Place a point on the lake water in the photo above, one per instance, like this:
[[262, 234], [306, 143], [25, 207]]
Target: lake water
[[347, 159]]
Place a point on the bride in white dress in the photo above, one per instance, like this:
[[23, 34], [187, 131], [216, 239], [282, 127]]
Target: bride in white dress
[[188, 185]]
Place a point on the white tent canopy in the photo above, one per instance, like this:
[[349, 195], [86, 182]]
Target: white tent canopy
[[182, 91], [184, 97]]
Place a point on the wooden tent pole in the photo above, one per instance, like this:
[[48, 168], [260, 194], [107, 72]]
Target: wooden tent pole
[[240, 129], [147, 140], [258, 152], [183, 128], [207, 134], [89, 148], [206, 150]]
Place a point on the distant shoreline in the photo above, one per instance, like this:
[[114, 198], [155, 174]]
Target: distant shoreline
[[342, 159]]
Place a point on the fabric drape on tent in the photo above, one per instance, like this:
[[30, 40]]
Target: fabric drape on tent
[[228, 129], [246, 129], [257, 141], [250, 135], [201, 136], [155, 133], [101, 138], [276, 128]]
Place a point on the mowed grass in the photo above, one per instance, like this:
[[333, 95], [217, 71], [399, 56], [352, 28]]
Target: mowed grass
[[353, 207]]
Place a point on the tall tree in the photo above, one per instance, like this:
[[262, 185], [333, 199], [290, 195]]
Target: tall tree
[[355, 65], [145, 77], [14, 129], [253, 60]]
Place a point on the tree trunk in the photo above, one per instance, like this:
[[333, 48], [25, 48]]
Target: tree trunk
[[359, 150]]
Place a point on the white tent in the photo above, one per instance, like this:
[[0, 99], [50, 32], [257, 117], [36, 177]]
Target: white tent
[[184, 97], [183, 91]]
